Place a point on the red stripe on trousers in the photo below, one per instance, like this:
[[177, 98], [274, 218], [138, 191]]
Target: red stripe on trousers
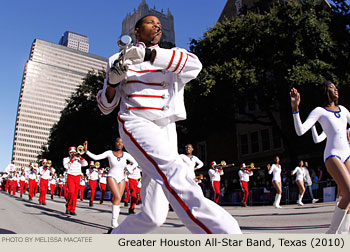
[[166, 183]]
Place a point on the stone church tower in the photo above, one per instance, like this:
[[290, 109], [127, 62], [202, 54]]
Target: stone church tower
[[166, 19]]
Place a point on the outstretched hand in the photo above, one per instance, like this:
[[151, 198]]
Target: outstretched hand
[[85, 146], [294, 99]]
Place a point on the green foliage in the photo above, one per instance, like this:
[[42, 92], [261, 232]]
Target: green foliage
[[82, 120], [260, 55]]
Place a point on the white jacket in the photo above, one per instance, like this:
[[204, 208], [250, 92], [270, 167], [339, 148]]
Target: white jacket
[[154, 91]]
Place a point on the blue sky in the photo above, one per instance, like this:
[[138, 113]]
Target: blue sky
[[22, 21]]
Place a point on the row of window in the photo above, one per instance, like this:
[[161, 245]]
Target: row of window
[[260, 141]]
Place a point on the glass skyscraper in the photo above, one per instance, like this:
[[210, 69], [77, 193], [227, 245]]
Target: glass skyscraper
[[51, 75]]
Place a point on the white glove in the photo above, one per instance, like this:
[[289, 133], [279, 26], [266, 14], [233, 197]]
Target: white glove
[[117, 72], [134, 55]]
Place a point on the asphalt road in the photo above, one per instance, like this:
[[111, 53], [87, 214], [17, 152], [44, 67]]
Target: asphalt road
[[20, 216]]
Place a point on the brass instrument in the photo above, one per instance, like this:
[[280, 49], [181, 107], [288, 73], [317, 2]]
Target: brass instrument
[[35, 165], [251, 167], [223, 164], [80, 150], [200, 177], [49, 162], [97, 164]]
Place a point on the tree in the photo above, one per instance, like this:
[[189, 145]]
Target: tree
[[261, 56], [82, 120]]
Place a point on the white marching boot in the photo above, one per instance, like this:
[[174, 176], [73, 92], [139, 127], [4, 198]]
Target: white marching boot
[[300, 197], [345, 226], [115, 215], [276, 204], [337, 220]]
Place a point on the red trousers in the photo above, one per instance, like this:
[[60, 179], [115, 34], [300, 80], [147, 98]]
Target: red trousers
[[126, 191], [44, 184], [73, 183], [26, 186], [244, 185], [133, 190], [36, 187], [14, 187], [92, 184], [22, 185], [138, 195], [60, 188], [103, 191], [32, 183], [216, 189], [52, 189], [82, 189]]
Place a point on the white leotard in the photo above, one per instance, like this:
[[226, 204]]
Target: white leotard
[[300, 173], [192, 162], [117, 164], [334, 124], [276, 172]]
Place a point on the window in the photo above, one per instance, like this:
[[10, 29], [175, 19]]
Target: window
[[276, 138], [255, 142], [265, 139], [244, 144]]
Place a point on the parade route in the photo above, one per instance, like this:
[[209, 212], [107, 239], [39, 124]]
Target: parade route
[[20, 216]]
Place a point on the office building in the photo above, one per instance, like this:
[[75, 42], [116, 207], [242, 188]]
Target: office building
[[51, 75]]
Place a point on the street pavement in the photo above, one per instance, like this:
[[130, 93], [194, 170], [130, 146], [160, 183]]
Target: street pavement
[[20, 216]]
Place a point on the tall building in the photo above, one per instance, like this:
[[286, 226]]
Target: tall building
[[166, 19], [75, 41], [51, 75]]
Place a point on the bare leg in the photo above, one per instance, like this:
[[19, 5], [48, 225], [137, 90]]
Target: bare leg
[[341, 175]]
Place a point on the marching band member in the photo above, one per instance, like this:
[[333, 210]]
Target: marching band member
[[45, 174], [60, 185], [103, 183], [193, 162], [126, 193], [244, 173], [215, 172], [334, 119], [82, 186], [32, 180], [275, 170], [118, 163], [133, 176], [139, 185], [299, 170], [92, 175], [52, 184], [22, 182], [73, 165], [15, 180], [151, 101]]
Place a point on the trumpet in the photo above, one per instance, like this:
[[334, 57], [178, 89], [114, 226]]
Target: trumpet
[[80, 150], [97, 164], [49, 162], [223, 164], [251, 167], [35, 165]]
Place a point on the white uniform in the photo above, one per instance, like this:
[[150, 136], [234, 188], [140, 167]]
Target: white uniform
[[300, 173], [151, 103], [244, 175], [117, 165], [134, 173], [334, 124], [92, 173], [276, 172], [73, 167], [215, 174], [192, 162]]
